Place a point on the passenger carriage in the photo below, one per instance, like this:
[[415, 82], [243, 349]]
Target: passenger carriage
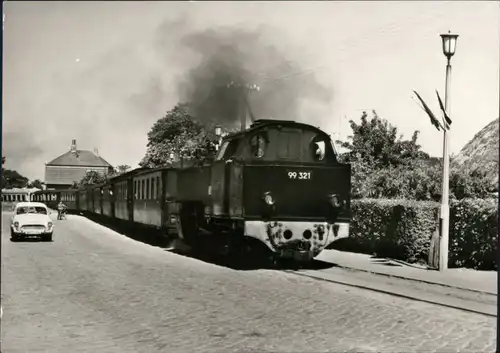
[[52, 197]]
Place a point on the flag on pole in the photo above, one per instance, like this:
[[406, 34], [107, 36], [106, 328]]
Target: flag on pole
[[446, 117], [431, 115]]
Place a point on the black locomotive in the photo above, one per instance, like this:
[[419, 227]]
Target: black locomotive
[[276, 186]]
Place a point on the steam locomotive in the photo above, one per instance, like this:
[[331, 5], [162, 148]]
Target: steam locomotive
[[276, 188]]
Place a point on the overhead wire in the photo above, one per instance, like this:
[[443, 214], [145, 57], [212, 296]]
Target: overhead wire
[[369, 38], [366, 34]]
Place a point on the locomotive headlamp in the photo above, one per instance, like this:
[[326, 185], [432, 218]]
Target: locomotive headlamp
[[334, 200], [268, 199]]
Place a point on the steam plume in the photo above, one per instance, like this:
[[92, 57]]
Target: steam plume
[[218, 56]]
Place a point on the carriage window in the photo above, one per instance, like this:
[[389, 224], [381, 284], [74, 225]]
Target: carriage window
[[258, 146], [289, 144], [135, 189], [153, 181], [143, 189], [148, 189], [158, 187]]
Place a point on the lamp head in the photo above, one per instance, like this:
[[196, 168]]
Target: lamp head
[[449, 44]]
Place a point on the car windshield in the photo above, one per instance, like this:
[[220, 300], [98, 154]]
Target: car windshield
[[32, 209]]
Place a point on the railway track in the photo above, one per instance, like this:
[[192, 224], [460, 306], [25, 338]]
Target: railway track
[[445, 296]]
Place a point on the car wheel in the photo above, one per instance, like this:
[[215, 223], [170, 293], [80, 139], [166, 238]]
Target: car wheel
[[14, 237], [47, 237]]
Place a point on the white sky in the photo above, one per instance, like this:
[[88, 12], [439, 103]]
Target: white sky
[[372, 53]]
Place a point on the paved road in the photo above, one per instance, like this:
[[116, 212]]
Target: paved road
[[92, 290]]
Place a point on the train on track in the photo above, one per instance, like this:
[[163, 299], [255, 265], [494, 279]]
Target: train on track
[[275, 189]]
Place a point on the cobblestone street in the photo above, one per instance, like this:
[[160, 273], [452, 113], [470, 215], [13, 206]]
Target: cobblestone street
[[93, 290]]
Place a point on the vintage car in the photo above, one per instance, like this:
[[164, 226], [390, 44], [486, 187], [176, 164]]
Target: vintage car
[[31, 219]]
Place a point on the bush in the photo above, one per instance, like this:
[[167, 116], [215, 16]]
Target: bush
[[474, 234], [402, 229]]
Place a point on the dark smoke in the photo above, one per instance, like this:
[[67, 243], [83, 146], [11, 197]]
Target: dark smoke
[[262, 57]]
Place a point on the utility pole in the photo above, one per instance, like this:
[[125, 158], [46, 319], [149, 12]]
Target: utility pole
[[449, 44]]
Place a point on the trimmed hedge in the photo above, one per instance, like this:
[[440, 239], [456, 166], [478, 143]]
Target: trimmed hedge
[[402, 229], [474, 234]]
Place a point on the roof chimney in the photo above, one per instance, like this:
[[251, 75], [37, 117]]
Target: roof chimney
[[96, 152], [73, 146]]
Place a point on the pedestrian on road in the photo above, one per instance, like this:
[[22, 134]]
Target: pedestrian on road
[[61, 208]]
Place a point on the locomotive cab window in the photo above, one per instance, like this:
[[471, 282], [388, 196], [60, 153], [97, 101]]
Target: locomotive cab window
[[289, 144], [228, 149], [318, 149], [222, 150], [321, 149]]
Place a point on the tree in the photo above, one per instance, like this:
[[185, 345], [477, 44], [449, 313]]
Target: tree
[[384, 166], [37, 183], [178, 136], [376, 142], [122, 168], [92, 177], [12, 179], [471, 183]]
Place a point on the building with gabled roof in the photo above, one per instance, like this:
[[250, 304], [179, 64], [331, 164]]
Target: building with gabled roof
[[72, 166]]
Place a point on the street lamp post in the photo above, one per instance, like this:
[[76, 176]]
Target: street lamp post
[[449, 44], [218, 135]]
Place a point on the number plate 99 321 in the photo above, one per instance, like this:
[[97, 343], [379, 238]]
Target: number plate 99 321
[[300, 175]]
